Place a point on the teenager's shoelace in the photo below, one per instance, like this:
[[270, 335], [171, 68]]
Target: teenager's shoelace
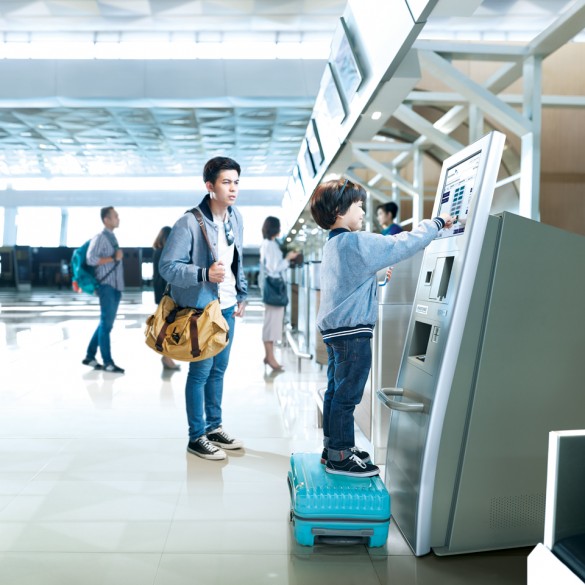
[[357, 460], [224, 436], [207, 445]]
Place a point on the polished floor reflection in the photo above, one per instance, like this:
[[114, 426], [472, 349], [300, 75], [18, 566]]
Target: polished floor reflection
[[96, 486]]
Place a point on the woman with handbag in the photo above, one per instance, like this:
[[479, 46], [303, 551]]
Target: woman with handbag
[[274, 289], [203, 262]]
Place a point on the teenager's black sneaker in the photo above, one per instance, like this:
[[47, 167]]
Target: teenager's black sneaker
[[221, 439], [92, 363], [352, 466], [113, 368], [204, 449], [363, 455]]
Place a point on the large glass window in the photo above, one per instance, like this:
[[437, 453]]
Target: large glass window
[[82, 224], [139, 227], [41, 226], [38, 226]]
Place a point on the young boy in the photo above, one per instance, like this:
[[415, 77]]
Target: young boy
[[348, 310]]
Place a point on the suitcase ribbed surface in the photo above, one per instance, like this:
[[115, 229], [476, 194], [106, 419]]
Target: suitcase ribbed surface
[[317, 494]]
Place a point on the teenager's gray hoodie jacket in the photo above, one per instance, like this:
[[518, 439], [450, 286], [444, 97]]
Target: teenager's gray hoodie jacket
[[186, 258], [349, 290]]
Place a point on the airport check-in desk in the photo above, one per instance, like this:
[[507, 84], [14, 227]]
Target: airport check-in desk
[[294, 277], [491, 364], [303, 306]]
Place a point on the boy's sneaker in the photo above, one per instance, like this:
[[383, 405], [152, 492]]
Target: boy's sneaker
[[363, 455], [352, 466], [113, 368], [92, 363], [220, 438], [204, 449]]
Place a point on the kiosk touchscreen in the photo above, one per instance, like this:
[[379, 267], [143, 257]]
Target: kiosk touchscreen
[[418, 403], [458, 192]]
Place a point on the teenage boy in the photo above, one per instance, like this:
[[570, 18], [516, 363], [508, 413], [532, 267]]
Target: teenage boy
[[195, 281], [348, 310]]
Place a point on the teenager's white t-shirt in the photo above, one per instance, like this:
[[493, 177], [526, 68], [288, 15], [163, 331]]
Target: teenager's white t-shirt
[[227, 288]]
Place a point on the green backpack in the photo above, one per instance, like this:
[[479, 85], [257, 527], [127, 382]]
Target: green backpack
[[84, 279]]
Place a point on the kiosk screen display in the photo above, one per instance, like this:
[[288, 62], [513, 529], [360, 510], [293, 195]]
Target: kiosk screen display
[[458, 192]]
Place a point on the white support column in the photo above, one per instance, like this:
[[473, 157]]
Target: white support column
[[10, 229], [383, 170], [419, 185], [475, 93], [415, 121], [476, 130], [64, 226], [529, 203]]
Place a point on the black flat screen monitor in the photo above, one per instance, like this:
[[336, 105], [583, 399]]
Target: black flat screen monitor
[[458, 192], [345, 62]]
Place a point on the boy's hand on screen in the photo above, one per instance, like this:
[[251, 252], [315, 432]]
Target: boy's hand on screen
[[448, 220]]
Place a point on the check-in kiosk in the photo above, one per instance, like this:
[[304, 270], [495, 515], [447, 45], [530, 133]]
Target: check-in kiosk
[[491, 364]]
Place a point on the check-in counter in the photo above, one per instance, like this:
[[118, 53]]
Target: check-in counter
[[394, 307], [303, 309], [293, 276], [316, 346]]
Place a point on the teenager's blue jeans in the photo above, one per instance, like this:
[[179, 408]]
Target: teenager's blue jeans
[[204, 389], [109, 302], [348, 367]]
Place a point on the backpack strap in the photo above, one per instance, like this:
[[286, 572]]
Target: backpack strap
[[114, 242], [199, 217]]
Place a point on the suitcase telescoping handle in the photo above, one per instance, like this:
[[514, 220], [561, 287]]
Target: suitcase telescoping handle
[[384, 396]]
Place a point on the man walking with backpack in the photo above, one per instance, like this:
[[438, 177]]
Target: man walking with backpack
[[105, 255]]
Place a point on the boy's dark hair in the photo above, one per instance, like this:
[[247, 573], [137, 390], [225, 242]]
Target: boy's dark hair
[[334, 198], [215, 165], [270, 227], [390, 207], [105, 211]]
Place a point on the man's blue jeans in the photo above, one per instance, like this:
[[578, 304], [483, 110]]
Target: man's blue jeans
[[109, 302], [204, 389], [348, 366]]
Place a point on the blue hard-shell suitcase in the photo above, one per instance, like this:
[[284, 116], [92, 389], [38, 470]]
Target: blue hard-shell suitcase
[[328, 507]]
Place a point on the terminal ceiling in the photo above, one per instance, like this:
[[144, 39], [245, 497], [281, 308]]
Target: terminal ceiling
[[166, 118]]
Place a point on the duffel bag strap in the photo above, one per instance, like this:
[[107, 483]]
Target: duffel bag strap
[[195, 351], [161, 336], [163, 331]]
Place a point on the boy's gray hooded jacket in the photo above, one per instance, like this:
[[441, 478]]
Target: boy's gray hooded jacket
[[349, 289], [186, 258]]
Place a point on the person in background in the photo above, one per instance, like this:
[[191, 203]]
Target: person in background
[[273, 264], [196, 280], [159, 283], [349, 308], [102, 252], [386, 214]]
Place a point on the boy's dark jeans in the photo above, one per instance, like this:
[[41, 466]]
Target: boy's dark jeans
[[348, 367]]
